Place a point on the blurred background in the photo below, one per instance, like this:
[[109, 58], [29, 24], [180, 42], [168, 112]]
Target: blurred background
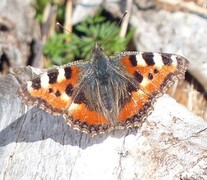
[[30, 35]]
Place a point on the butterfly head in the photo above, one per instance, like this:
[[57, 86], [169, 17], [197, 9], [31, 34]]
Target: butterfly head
[[97, 48], [98, 53]]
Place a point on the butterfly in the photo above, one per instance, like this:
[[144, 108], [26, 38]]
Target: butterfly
[[105, 93]]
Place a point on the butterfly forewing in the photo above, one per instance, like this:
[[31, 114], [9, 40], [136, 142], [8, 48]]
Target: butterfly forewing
[[52, 91], [153, 74]]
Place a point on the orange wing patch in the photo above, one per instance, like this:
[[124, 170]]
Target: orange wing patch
[[52, 90], [81, 113], [152, 74], [136, 103], [53, 100]]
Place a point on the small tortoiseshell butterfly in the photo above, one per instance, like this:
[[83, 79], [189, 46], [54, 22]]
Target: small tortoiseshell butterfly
[[106, 93]]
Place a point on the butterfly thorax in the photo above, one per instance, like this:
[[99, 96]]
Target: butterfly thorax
[[99, 64]]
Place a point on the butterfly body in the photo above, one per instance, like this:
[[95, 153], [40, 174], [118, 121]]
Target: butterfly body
[[107, 92]]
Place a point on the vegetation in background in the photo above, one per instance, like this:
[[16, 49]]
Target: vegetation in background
[[40, 5], [62, 48]]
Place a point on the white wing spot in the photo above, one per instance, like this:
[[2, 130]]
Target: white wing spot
[[65, 97], [140, 60], [44, 81], [74, 106], [158, 60], [61, 75], [145, 82], [29, 85], [174, 60]]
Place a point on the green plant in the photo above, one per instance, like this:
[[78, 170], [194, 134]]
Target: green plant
[[39, 6], [64, 48]]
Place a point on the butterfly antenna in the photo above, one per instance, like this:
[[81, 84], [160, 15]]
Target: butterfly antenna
[[63, 27], [116, 25]]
